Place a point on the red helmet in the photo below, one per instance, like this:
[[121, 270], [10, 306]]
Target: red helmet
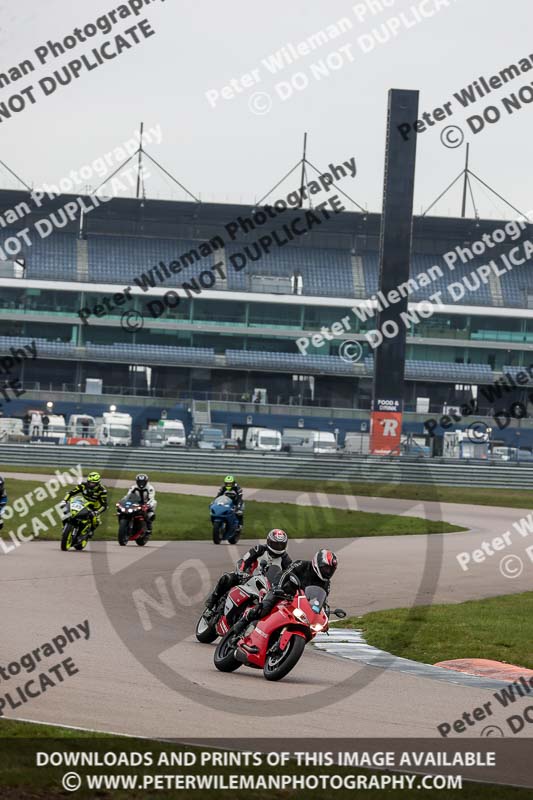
[[324, 564], [277, 542]]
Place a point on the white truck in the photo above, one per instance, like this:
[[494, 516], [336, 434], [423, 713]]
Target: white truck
[[262, 439], [81, 429], [113, 428]]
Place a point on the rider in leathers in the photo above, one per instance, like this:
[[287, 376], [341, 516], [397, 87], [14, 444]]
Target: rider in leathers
[[146, 494], [317, 572], [274, 551]]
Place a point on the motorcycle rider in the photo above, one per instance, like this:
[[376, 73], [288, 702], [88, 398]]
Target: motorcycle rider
[[274, 551], [144, 490], [317, 572], [231, 485], [3, 501], [96, 493]]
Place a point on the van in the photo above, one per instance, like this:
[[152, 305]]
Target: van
[[173, 432], [263, 439], [300, 440]]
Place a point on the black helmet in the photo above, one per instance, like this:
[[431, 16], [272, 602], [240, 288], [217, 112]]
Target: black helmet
[[324, 564], [277, 542], [141, 480], [1, 486]]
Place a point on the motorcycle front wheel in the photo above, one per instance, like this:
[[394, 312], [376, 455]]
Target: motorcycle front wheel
[[123, 532], [66, 536], [218, 531], [224, 659], [280, 663], [206, 632]]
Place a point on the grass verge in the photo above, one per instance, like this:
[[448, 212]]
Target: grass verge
[[511, 498], [498, 628], [20, 779], [186, 517]]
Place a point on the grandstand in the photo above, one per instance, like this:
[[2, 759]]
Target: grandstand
[[241, 333]]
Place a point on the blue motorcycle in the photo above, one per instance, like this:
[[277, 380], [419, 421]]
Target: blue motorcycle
[[225, 522]]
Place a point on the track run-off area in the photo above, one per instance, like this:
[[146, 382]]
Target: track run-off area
[[141, 671]]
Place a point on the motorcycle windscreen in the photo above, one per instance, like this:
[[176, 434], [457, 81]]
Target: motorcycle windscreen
[[273, 574], [316, 597], [224, 500]]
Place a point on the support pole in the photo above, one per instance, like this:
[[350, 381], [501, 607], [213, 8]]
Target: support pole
[[303, 180], [140, 161], [465, 183]]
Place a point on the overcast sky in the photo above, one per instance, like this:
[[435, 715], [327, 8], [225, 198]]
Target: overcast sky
[[230, 153]]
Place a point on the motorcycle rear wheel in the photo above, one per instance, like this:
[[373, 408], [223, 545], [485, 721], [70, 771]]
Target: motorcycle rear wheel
[[206, 632], [235, 538], [224, 659], [81, 545], [278, 665]]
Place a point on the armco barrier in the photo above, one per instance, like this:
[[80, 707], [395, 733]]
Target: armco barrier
[[316, 467]]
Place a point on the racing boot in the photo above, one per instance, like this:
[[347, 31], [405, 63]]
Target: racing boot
[[250, 615]]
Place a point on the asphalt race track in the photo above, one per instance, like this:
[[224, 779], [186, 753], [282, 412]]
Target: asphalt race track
[[142, 672]]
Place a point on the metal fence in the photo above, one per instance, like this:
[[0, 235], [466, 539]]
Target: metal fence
[[315, 467]]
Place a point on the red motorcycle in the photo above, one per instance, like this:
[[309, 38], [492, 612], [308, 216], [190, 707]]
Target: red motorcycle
[[131, 521], [277, 642], [232, 605]]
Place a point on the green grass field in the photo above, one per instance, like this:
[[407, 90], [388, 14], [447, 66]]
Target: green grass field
[[512, 498], [187, 517], [20, 779], [498, 628]]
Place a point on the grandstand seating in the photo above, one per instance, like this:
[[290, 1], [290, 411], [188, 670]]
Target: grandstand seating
[[512, 371], [257, 359], [44, 347], [152, 353], [120, 259], [439, 370], [482, 296], [325, 272], [516, 285], [53, 258], [251, 359]]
